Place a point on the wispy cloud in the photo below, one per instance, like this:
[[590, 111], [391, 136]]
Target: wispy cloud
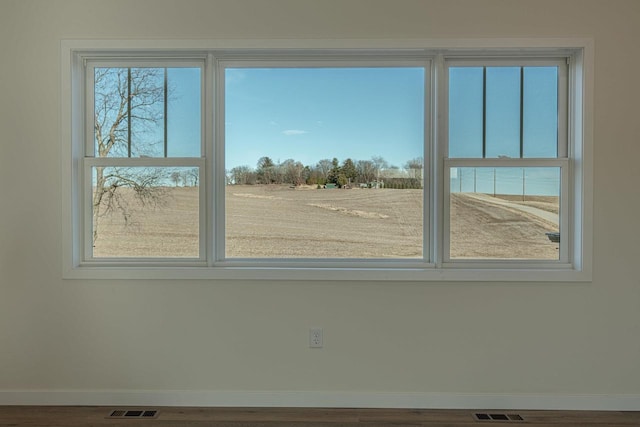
[[294, 132], [234, 76]]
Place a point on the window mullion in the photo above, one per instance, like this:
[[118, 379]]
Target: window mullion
[[521, 112], [166, 105], [484, 112], [129, 112], [563, 110], [89, 118], [212, 123], [440, 149]]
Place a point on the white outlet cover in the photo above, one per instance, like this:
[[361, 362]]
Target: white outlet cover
[[316, 339]]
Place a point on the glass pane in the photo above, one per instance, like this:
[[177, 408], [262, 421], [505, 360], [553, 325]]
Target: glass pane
[[504, 213], [111, 118], [465, 111], [147, 112], [324, 162], [184, 112], [540, 112], [141, 212], [503, 112], [130, 119], [502, 116]]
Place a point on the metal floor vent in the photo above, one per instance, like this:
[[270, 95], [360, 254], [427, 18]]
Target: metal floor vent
[[133, 413], [498, 417]]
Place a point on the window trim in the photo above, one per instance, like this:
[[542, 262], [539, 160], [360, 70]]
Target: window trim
[[91, 160], [73, 52], [287, 60]]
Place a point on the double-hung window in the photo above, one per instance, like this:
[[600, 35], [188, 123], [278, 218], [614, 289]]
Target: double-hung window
[[343, 163], [506, 168], [142, 183]]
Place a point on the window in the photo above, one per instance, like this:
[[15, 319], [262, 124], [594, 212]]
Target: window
[[343, 163], [507, 160], [142, 164], [324, 161]]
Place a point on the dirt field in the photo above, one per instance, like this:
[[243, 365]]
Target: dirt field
[[278, 221], [485, 228], [311, 223], [169, 229]]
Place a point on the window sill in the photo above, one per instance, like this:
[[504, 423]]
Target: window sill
[[555, 273]]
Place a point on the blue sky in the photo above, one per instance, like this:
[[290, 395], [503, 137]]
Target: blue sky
[[540, 122], [315, 113], [503, 93], [309, 114], [183, 113]]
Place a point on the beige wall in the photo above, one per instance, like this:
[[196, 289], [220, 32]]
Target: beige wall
[[387, 337]]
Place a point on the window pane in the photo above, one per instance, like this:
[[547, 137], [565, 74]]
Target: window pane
[[501, 132], [503, 112], [540, 112], [184, 112], [465, 111], [130, 119], [147, 112], [504, 213], [324, 162], [111, 91], [144, 212]]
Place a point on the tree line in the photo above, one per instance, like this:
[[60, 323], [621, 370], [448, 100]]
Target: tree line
[[329, 171]]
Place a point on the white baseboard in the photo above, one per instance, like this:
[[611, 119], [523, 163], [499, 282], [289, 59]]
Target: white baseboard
[[338, 399]]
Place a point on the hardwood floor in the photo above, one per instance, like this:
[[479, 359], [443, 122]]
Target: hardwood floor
[[73, 416]]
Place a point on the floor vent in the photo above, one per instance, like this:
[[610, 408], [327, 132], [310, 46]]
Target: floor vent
[[498, 417], [133, 413]]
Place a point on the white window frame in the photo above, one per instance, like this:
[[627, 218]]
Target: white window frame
[[90, 160], [284, 60], [575, 265], [561, 161]]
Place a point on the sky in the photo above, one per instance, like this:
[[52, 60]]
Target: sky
[[183, 113], [309, 114], [540, 123], [501, 132]]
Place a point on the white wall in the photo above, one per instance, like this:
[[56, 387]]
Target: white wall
[[461, 338]]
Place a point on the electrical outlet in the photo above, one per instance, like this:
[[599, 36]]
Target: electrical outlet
[[315, 338]]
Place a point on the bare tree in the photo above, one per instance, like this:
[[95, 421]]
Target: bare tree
[[366, 170], [292, 172], [414, 167], [176, 177], [379, 164], [324, 166], [242, 175], [128, 105], [194, 175]]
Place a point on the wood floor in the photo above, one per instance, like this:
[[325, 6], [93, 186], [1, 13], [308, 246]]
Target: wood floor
[[72, 416]]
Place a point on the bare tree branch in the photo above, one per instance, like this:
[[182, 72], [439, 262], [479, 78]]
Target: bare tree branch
[[126, 97]]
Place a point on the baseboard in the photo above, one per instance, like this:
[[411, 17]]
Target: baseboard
[[338, 399]]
